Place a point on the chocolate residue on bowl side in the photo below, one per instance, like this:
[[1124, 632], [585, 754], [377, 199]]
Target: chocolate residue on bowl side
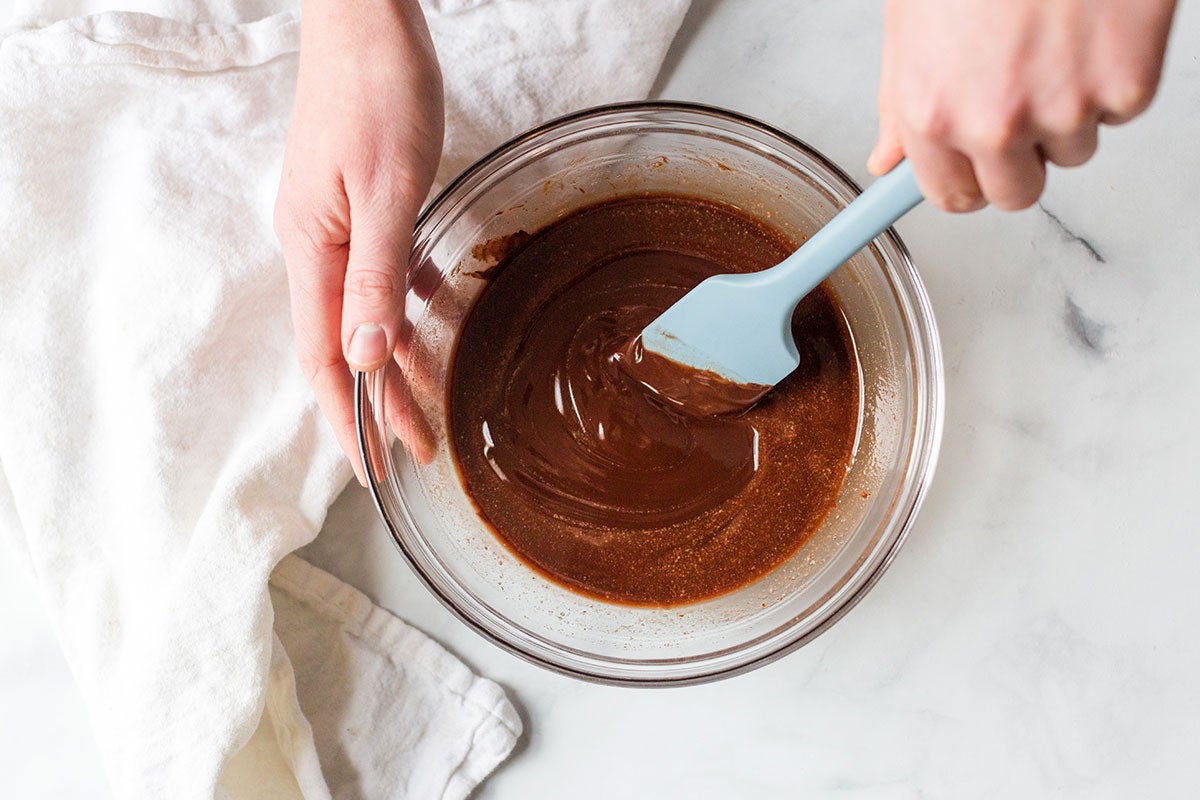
[[594, 481], [495, 252]]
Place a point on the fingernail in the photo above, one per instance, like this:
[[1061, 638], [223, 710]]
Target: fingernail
[[368, 347], [357, 468], [963, 203]]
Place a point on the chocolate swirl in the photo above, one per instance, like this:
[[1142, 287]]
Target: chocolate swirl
[[583, 440], [598, 482]]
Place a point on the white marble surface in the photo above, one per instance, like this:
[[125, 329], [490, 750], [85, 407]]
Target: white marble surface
[[1037, 636]]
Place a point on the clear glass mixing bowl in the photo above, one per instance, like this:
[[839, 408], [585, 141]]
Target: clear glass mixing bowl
[[661, 148]]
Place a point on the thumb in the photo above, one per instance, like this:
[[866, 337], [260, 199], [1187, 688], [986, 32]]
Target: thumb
[[888, 147], [373, 296]]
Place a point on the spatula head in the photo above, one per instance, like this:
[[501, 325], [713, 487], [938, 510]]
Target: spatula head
[[698, 393], [731, 325]]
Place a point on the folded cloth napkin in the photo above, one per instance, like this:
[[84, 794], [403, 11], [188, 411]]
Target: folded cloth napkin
[[160, 453]]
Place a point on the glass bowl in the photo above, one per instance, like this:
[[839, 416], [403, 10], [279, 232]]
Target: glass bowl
[[558, 168]]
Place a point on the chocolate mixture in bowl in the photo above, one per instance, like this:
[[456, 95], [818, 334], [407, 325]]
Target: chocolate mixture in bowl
[[593, 480]]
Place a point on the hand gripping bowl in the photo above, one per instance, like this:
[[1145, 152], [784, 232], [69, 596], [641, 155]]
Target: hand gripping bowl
[[583, 159]]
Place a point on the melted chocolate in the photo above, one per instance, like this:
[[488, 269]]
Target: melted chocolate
[[596, 481], [698, 392]]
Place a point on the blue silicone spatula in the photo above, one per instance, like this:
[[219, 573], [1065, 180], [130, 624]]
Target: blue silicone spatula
[[738, 326]]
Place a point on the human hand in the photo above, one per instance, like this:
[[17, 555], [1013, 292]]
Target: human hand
[[980, 94], [362, 150]]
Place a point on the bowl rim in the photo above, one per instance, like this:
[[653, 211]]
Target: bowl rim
[[926, 455]]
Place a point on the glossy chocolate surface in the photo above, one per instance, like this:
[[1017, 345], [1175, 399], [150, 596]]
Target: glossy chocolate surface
[[595, 481]]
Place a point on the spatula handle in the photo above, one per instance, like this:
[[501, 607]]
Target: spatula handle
[[871, 213]]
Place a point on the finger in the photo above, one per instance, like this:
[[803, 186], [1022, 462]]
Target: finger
[[945, 175], [423, 365], [333, 385], [888, 148], [373, 299], [315, 289], [1121, 103], [415, 350], [1011, 180], [1070, 149], [1066, 132], [404, 331], [1127, 65], [406, 418]]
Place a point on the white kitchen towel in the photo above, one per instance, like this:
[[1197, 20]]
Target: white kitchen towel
[[160, 453]]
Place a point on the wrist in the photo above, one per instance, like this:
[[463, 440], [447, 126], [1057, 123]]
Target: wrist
[[353, 25]]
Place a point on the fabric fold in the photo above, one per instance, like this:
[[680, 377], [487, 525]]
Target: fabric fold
[[161, 454], [146, 40]]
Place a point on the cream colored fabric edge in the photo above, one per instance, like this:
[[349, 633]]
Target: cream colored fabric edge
[[499, 726]]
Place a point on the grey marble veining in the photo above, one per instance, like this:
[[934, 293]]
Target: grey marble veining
[[1034, 638]]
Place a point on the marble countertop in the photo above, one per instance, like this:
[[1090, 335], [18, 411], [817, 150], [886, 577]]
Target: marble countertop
[[1036, 636]]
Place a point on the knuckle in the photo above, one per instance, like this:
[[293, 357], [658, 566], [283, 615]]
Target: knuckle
[[1130, 97], [958, 202], [313, 364], [397, 182], [997, 134], [1078, 151], [1086, 150], [1067, 117], [299, 230], [388, 180], [373, 286], [1008, 203], [1019, 197], [930, 121]]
